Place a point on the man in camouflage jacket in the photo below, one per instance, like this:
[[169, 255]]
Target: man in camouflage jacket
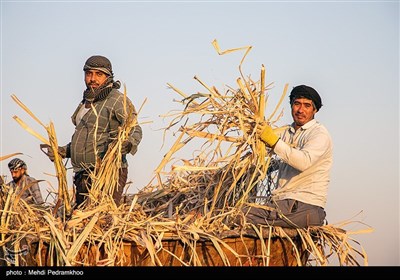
[[97, 120]]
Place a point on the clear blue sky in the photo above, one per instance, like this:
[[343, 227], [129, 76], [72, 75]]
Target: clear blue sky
[[348, 51]]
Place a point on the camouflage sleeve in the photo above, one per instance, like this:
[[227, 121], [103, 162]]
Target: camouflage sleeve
[[135, 138], [136, 133], [36, 193]]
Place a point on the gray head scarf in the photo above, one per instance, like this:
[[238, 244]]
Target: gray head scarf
[[103, 64]]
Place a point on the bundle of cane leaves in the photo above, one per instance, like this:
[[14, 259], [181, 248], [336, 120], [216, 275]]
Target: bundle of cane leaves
[[225, 171]]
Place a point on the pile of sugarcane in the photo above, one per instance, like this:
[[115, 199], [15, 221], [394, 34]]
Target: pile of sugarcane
[[191, 200]]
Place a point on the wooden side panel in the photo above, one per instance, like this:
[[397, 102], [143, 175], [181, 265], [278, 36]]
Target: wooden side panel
[[244, 251], [238, 252]]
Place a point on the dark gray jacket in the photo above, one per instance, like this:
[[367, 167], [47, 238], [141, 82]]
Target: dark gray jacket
[[98, 128]]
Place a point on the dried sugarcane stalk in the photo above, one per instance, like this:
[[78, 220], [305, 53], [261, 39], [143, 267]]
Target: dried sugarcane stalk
[[261, 149], [63, 196], [8, 156]]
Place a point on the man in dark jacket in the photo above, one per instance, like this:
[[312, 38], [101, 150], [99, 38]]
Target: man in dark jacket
[[98, 119]]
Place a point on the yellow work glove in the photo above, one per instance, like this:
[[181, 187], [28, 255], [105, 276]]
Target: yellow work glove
[[267, 135]]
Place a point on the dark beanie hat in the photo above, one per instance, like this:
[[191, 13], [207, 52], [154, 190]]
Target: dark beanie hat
[[306, 92], [98, 62]]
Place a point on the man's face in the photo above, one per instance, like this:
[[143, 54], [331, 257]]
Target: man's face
[[303, 111], [17, 174], [95, 78]]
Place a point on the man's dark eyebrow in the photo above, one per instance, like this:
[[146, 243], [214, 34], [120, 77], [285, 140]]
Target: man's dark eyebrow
[[310, 102]]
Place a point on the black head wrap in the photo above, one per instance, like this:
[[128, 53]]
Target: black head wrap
[[306, 92]]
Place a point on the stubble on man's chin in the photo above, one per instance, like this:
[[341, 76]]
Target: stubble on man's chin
[[17, 179]]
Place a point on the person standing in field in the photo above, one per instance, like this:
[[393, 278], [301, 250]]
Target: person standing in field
[[97, 120], [23, 184], [305, 152]]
